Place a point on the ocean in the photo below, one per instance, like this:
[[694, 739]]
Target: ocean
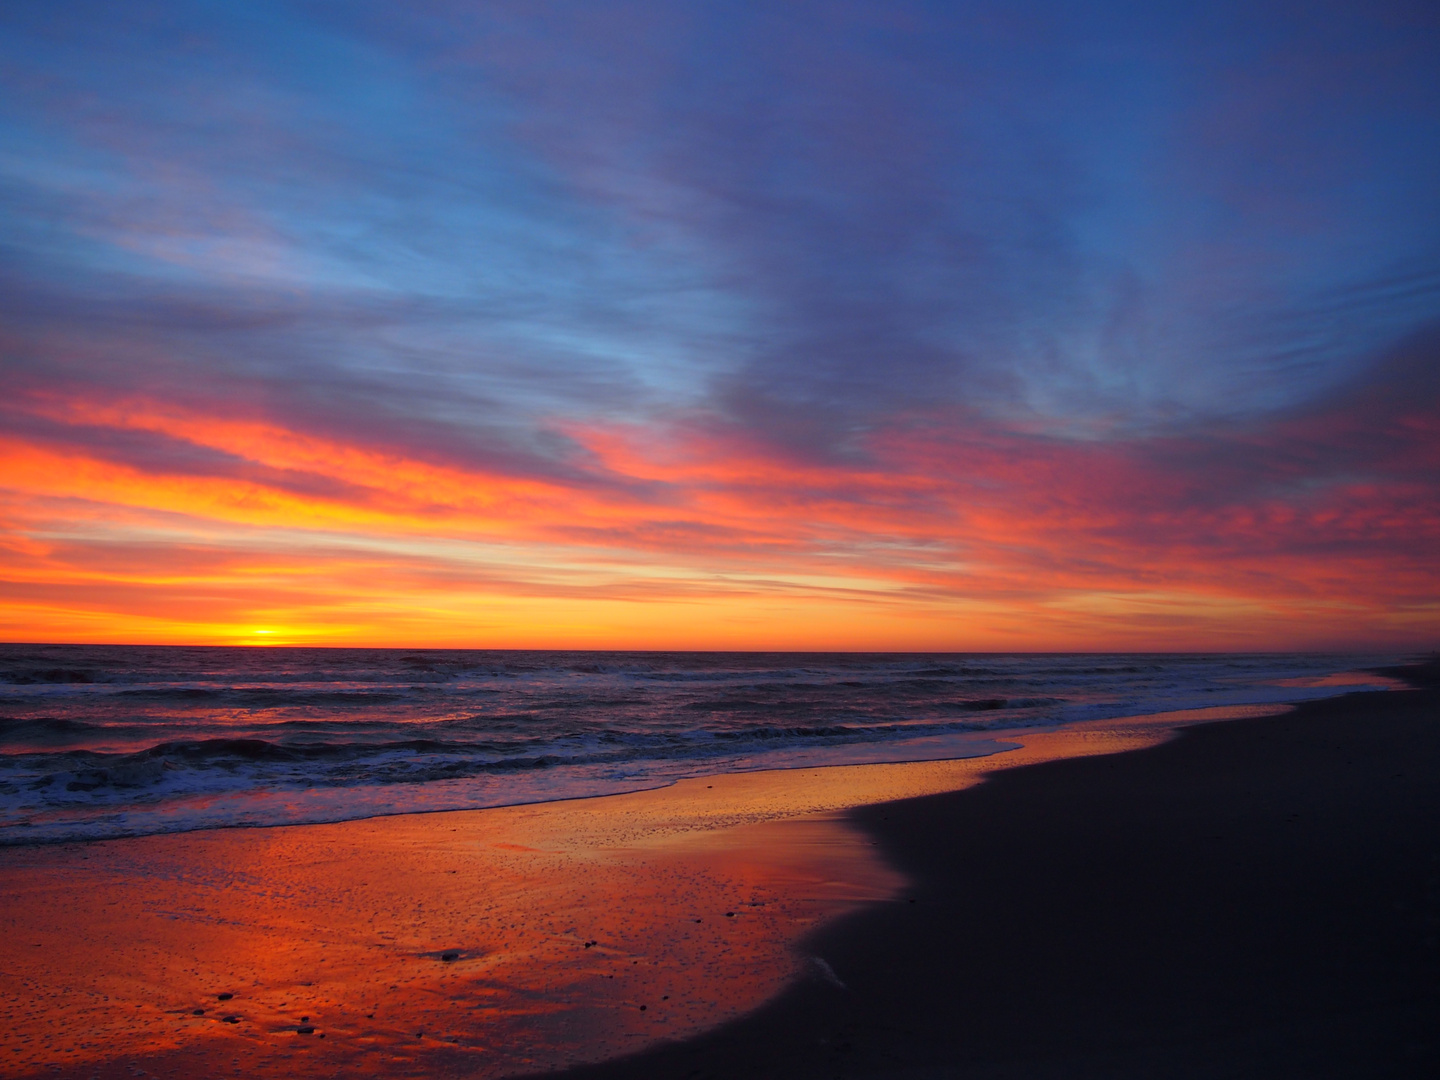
[[109, 741]]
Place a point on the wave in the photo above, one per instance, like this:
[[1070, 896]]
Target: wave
[[47, 677], [106, 741], [268, 697], [36, 732]]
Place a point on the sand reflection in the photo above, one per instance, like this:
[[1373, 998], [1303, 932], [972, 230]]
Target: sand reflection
[[485, 943]]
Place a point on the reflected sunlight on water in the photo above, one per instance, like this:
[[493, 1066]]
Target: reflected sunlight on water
[[492, 942]]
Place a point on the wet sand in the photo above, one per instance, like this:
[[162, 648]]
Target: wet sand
[[1259, 898], [480, 943]]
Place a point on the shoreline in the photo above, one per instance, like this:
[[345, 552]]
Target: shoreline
[[1251, 898], [1005, 740], [638, 867], [111, 946], [84, 762]]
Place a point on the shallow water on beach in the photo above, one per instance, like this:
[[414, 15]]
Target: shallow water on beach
[[107, 741], [487, 943]]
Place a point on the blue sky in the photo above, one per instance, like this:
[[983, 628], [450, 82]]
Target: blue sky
[[466, 232]]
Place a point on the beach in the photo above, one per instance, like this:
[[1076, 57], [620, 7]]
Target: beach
[[484, 943], [1254, 898], [1256, 894]]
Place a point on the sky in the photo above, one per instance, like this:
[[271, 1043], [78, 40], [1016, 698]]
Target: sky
[[841, 325]]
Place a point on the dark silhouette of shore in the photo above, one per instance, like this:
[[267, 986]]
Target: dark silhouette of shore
[[1256, 898]]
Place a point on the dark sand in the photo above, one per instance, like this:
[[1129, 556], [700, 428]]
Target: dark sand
[[1256, 898]]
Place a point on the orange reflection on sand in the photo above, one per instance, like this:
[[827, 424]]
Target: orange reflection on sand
[[492, 937], [1346, 678], [492, 942]]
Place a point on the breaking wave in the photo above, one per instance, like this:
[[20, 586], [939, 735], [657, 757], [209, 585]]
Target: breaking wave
[[100, 741]]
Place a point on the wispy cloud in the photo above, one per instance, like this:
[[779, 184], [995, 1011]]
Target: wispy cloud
[[855, 324]]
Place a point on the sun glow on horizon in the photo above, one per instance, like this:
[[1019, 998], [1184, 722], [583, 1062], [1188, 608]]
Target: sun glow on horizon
[[727, 546], [561, 348]]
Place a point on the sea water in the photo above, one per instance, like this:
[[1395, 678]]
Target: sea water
[[106, 741]]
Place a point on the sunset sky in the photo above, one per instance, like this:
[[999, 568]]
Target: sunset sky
[[721, 325]]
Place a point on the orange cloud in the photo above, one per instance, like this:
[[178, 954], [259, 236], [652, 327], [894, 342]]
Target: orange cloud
[[934, 534]]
